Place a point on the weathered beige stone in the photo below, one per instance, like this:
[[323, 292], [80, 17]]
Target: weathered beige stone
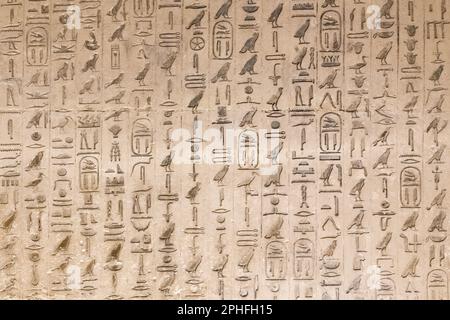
[[232, 149]]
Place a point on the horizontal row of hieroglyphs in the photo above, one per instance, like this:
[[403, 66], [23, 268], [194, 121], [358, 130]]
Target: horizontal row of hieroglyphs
[[226, 149]]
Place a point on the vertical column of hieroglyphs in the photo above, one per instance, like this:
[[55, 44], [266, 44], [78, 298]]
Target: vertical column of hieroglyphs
[[139, 131], [87, 95], [36, 152], [368, 19], [330, 137], [275, 243], [194, 120], [12, 225], [246, 153], [64, 281], [410, 148], [220, 156], [167, 184], [117, 31], [300, 73], [356, 117], [435, 166], [247, 193], [383, 154]]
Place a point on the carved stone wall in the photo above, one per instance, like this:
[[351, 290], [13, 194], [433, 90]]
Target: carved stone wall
[[227, 149]]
